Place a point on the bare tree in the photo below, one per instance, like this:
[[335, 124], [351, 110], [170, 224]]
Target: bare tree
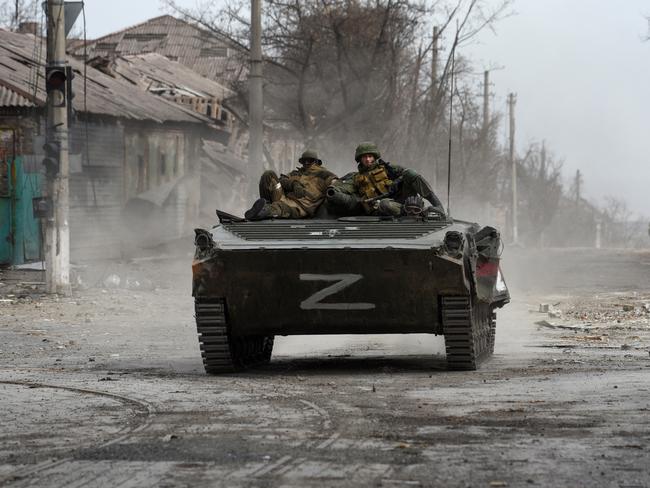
[[539, 174], [617, 226], [15, 12], [339, 71]]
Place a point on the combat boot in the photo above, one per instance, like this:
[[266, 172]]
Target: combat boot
[[259, 211]]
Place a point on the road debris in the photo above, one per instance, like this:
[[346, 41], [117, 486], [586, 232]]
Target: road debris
[[576, 327], [112, 281]]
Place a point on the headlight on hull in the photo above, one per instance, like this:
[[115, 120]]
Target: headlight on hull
[[454, 243]]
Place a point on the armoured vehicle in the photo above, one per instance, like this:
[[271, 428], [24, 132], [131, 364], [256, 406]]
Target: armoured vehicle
[[352, 275]]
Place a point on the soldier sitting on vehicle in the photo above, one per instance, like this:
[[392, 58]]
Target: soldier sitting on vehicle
[[295, 196], [380, 188]]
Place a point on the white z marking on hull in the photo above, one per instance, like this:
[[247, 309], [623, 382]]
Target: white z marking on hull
[[314, 302]]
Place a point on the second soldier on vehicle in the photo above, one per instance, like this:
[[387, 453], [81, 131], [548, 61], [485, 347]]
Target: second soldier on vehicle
[[379, 187], [295, 196]]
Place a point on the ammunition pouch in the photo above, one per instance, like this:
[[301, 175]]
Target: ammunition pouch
[[373, 183]]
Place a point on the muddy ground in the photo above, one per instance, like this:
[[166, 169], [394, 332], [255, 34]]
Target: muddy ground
[[106, 388]]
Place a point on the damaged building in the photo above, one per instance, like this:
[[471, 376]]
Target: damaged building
[[135, 158], [224, 183], [214, 57], [206, 52]]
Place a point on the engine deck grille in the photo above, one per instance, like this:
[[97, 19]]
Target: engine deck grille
[[332, 229]]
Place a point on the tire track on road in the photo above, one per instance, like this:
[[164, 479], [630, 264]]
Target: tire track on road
[[144, 411]]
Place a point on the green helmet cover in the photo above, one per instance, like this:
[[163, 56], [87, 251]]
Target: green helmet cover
[[309, 154], [366, 148]]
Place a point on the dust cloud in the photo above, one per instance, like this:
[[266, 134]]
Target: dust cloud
[[370, 345]]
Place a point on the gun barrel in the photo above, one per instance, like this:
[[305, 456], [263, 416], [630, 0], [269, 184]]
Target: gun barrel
[[378, 197]]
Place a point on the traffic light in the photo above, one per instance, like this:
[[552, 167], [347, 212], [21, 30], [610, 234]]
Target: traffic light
[[51, 161], [56, 84]]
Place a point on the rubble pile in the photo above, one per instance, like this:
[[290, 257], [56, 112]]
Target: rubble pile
[[613, 321], [610, 309]]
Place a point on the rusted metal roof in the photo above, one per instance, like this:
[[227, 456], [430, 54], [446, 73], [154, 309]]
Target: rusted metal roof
[[10, 98], [155, 73], [209, 53], [21, 70]]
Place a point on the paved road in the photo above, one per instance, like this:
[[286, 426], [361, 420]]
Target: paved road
[[106, 388]]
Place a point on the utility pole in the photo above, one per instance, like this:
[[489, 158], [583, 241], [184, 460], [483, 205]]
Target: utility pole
[[486, 102], [512, 101], [486, 117], [57, 230], [578, 185], [435, 56], [255, 96]]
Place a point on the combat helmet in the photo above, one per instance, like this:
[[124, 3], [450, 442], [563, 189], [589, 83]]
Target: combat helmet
[[366, 148], [310, 154]]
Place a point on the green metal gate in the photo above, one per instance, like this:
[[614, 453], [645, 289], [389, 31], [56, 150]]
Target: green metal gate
[[20, 234]]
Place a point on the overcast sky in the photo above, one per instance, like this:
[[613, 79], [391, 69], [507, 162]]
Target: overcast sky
[[580, 70]]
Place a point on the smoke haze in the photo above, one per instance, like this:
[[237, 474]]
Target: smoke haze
[[581, 72]]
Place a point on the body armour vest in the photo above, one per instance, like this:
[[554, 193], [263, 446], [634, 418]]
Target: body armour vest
[[373, 183]]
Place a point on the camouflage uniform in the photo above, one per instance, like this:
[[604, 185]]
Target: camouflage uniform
[[295, 196], [350, 194]]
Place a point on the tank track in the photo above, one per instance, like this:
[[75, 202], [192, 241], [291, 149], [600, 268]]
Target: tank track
[[469, 331], [221, 352]]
